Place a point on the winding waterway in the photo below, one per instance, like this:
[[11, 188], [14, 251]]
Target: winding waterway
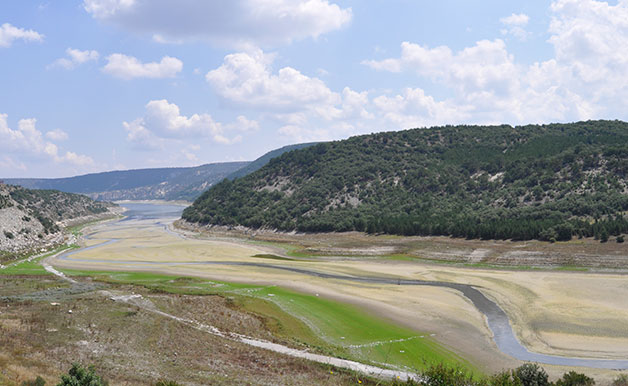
[[497, 320]]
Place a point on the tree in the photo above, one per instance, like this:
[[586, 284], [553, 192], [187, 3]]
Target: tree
[[80, 376], [575, 379], [532, 374]]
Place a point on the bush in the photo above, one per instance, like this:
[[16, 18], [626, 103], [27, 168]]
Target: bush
[[620, 239], [531, 374], [80, 376], [39, 381], [575, 379], [441, 375], [621, 380], [163, 382], [506, 378], [8, 235]]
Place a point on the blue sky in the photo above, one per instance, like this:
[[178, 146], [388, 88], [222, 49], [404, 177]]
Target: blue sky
[[94, 85]]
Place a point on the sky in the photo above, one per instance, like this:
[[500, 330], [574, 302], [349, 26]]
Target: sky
[[97, 85]]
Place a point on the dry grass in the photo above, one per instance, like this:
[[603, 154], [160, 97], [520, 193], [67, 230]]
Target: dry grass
[[129, 346]]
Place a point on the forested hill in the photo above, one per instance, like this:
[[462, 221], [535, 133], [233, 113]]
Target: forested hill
[[264, 159], [493, 182]]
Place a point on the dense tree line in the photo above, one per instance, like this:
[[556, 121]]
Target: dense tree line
[[549, 182]]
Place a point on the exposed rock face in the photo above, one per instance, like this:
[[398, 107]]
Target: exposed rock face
[[33, 219]]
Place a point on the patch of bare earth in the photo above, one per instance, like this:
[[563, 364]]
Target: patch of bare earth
[[131, 346]]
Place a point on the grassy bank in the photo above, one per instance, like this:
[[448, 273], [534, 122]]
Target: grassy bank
[[33, 266], [329, 326]]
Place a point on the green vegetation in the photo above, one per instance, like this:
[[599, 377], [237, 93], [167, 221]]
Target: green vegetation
[[263, 160], [548, 182], [39, 381], [5, 202], [621, 380], [33, 267], [81, 376], [529, 374], [333, 328]]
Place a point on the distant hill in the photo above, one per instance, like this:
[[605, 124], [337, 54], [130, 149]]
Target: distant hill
[[141, 184], [549, 182], [33, 218], [263, 160], [185, 183]]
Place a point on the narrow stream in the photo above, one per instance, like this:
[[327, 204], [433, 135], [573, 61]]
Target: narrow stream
[[498, 321]]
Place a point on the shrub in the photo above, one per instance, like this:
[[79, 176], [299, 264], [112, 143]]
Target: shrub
[[163, 382], [39, 381], [505, 378], [80, 376], [620, 239], [531, 374], [441, 375], [621, 380], [8, 235], [575, 379]]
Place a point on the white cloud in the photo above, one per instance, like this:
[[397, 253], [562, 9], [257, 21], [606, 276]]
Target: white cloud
[[515, 24], [8, 163], [57, 135], [585, 79], [165, 118], [412, 108], [9, 33], [234, 22], [485, 66], [516, 19], [303, 107], [102, 9], [242, 123], [75, 58], [163, 122], [129, 67], [247, 79], [28, 142]]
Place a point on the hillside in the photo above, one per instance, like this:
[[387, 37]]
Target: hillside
[[549, 182], [264, 159], [141, 184], [186, 183], [33, 218]]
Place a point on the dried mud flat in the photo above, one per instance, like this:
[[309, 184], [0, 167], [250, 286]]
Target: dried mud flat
[[583, 253], [130, 346], [552, 312]]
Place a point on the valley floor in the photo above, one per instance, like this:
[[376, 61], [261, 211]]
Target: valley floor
[[556, 312]]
